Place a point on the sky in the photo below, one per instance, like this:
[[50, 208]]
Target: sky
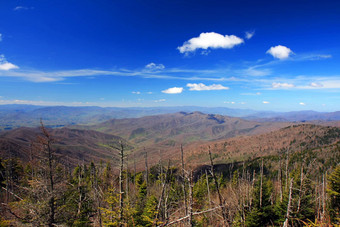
[[278, 55]]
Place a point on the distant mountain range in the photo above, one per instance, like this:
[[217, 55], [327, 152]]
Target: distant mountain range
[[162, 135], [182, 127], [14, 116]]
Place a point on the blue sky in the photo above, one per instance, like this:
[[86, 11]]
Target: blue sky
[[262, 55]]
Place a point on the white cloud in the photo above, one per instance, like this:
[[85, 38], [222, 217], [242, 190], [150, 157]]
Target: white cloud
[[280, 52], [160, 100], [210, 40], [316, 85], [302, 103], [250, 35], [229, 102], [203, 87], [282, 85], [136, 92], [265, 102], [153, 66], [173, 90], [5, 65]]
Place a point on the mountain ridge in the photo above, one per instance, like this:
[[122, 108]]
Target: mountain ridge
[[15, 115]]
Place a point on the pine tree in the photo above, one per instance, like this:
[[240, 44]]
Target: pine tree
[[334, 193], [110, 214], [262, 212]]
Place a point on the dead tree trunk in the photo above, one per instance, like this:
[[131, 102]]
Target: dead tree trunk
[[225, 222], [46, 141], [121, 191], [323, 214], [127, 179], [146, 171], [261, 182], [285, 224], [184, 183], [162, 193], [287, 163], [280, 179], [191, 186], [300, 190]]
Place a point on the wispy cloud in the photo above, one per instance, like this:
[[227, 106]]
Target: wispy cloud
[[282, 85], [203, 87], [280, 52], [19, 8], [160, 100], [302, 103], [44, 103], [316, 85], [265, 102], [253, 71], [0, 37], [136, 92], [249, 34], [311, 57], [252, 94], [173, 90], [154, 66], [176, 74], [210, 40]]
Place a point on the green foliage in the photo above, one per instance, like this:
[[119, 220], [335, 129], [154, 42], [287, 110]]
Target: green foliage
[[262, 212], [110, 214], [302, 201], [200, 192], [334, 193], [150, 211]]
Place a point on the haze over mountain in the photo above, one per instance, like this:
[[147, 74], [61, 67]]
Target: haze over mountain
[[230, 138], [14, 116], [183, 127]]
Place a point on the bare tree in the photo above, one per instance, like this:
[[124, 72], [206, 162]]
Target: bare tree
[[191, 186], [121, 191], [225, 222], [46, 141], [285, 224], [146, 170], [184, 182]]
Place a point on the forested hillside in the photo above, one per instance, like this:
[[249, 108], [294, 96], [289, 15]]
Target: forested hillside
[[291, 187], [72, 146]]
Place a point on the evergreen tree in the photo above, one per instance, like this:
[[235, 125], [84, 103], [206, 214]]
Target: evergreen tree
[[262, 212], [302, 200], [334, 193]]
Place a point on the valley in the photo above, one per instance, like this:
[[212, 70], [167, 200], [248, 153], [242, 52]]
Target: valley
[[168, 163]]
